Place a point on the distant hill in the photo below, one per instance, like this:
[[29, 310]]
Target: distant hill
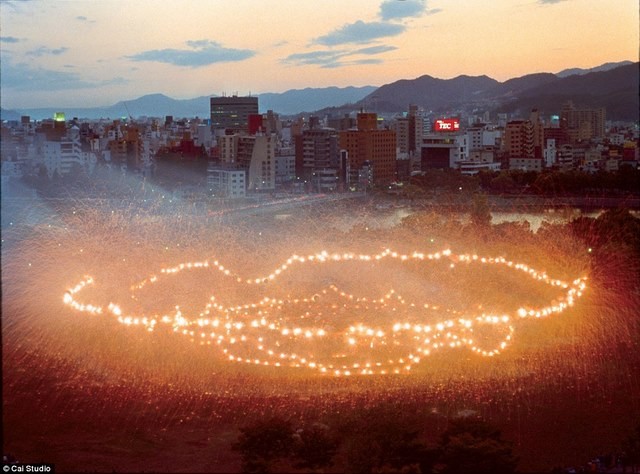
[[449, 96], [159, 105], [429, 92], [515, 87], [296, 101], [604, 67], [7, 114], [616, 89]]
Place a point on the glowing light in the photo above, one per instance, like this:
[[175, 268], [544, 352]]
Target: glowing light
[[260, 333]]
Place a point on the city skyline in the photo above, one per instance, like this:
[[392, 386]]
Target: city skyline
[[91, 53]]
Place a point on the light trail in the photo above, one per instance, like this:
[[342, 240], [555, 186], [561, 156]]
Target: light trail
[[265, 333]]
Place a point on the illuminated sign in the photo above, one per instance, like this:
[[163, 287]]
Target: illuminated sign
[[59, 116], [446, 125]]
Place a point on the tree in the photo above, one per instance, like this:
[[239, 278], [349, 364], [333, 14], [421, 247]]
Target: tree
[[485, 177], [480, 212], [503, 183], [471, 445], [613, 228], [385, 439], [263, 443], [411, 191], [314, 447]]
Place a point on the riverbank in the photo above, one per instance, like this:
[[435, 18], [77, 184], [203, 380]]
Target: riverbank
[[522, 202], [581, 202]]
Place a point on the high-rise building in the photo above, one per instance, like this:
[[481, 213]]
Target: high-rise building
[[441, 151], [316, 151], [341, 123], [253, 153], [62, 156], [445, 146], [565, 157], [262, 165], [582, 124], [370, 146], [519, 139], [537, 129], [232, 113], [409, 132]]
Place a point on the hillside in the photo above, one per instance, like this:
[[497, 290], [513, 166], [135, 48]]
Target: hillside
[[615, 89]]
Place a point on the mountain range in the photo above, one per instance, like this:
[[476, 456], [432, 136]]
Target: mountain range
[[291, 102], [615, 88], [611, 85]]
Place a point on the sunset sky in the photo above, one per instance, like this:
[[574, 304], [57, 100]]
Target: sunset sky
[[95, 53]]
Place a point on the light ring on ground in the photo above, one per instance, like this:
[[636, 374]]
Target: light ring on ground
[[258, 333]]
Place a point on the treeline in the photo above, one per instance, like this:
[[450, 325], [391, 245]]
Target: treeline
[[546, 183], [381, 440], [387, 440], [559, 183]]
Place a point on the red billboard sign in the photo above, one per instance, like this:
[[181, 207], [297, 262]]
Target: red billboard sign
[[446, 125]]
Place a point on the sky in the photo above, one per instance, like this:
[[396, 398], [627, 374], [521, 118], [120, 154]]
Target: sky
[[88, 53]]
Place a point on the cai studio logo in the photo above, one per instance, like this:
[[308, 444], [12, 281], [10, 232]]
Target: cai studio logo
[[48, 468]]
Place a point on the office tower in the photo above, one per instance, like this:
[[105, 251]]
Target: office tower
[[538, 132], [519, 139], [317, 152], [370, 148], [582, 124], [232, 113]]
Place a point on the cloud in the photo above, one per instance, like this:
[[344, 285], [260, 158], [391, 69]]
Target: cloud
[[398, 10], [360, 32], [14, 4], [24, 77], [550, 2], [44, 51], [321, 58], [336, 58], [375, 49], [354, 62], [201, 53], [365, 61], [199, 44], [9, 39]]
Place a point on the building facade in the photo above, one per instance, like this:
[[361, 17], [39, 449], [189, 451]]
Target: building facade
[[375, 147], [226, 181], [518, 139], [582, 124], [232, 113], [317, 151]]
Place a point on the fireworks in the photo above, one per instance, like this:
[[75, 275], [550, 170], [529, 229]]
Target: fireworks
[[334, 331]]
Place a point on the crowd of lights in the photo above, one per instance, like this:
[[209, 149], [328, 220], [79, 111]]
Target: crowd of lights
[[260, 333]]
